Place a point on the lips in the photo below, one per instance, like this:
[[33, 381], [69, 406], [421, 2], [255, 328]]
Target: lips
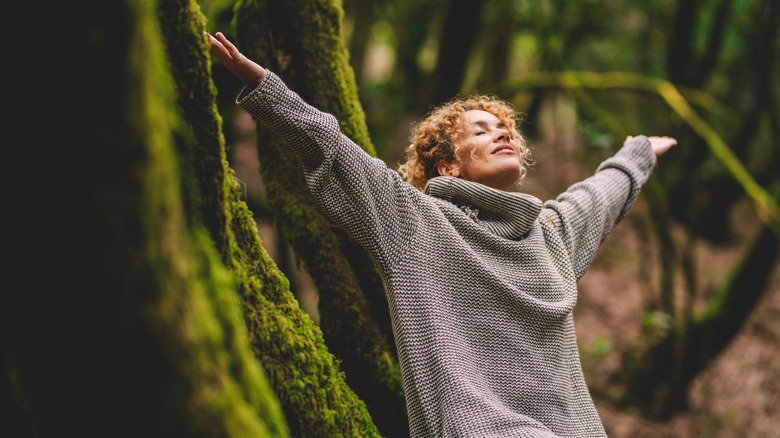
[[504, 148]]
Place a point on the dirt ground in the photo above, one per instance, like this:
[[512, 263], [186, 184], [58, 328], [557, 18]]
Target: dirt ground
[[737, 396]]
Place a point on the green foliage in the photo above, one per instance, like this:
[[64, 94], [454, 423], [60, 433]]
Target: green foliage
[[598, 349]]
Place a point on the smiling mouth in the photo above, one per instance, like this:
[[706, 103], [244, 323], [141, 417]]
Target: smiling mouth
[[502, 149]]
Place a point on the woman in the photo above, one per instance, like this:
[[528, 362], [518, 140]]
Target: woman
[[481, 282]]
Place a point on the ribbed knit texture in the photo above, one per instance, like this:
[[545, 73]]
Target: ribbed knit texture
[[481, 283]]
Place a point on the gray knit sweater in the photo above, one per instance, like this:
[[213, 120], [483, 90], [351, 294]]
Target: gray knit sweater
[[481, 283]]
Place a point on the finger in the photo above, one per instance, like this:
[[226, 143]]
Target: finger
[[218, 50], [214, 42], [229, 46]]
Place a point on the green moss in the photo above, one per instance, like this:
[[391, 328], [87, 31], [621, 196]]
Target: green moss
[[286, 341], [293, 352], [245, 395], [187, 49], [314, 395], [316, 66], [136, 314]]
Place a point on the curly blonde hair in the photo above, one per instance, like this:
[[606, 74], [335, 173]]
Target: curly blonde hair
[[433, 138]]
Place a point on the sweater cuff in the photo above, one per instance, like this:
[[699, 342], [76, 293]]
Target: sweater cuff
[[257, 99], [635, 158], [638, 152]]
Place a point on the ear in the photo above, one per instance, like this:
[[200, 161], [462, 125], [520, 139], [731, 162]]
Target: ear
[[449, 169]]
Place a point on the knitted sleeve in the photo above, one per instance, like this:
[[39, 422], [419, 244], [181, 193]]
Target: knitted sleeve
[[588, 210], [371, 202]]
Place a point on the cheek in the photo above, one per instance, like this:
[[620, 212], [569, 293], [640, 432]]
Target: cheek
[[481, 151], [466, 152]]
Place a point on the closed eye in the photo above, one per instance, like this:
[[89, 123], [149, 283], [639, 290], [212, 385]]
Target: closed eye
[[479, 132]]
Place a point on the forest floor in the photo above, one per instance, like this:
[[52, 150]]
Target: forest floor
[[737, 396]]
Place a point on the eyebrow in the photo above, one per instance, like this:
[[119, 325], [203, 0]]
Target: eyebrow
[[484, 124]]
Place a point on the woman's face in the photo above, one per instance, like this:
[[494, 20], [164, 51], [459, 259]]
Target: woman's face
[[488, 153]]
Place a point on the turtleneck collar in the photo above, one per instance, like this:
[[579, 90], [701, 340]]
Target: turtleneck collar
[[507, 214]]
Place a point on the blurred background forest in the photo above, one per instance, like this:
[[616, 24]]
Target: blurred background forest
[[137, 300], [679, 318]]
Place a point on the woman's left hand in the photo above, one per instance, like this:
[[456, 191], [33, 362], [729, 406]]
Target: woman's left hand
[[659, 144]]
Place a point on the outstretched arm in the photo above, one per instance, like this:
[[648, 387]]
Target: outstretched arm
[[357, 192], [250, 72], [588, 210]]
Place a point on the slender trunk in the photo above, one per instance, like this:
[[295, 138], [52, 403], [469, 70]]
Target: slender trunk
[[709, 59], [680, 45], [498, 44], [301, 41], [458, 36], [762, 58], [659, 214], [412, 22]]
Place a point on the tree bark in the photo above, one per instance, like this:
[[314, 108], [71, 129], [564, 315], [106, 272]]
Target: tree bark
[[118, 318], [301, 42], [305, 376]]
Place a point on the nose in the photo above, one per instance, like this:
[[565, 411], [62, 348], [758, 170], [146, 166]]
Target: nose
[[503, 135]]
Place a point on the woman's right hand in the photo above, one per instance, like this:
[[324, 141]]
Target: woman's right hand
[[250, 72]]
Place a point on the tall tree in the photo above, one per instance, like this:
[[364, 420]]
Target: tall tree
[[301, 41], [305, 376], [661, 373], [117, 316]]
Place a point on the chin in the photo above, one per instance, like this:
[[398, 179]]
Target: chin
[[509, 177], [504, 180]]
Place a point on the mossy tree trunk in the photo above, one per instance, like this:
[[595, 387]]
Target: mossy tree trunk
[[305, 376], [301, 41], [118, 318], [760, 84]]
